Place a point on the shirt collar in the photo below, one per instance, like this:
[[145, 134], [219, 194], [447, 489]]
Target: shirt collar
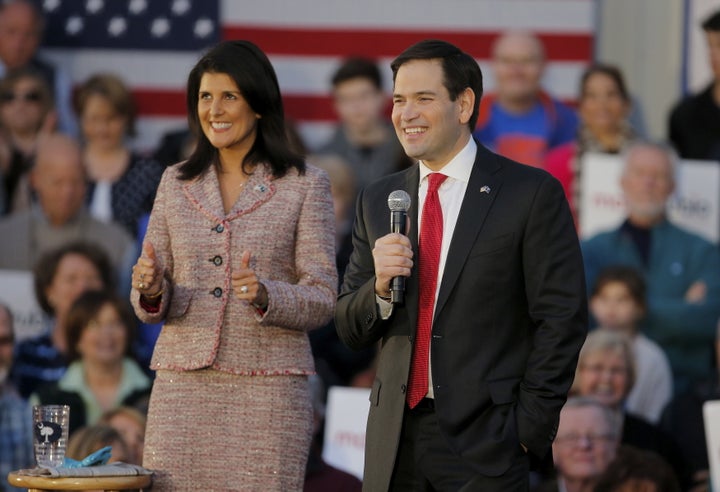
[[459, 167]]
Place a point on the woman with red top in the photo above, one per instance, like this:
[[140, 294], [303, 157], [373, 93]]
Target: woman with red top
[[604, 107]]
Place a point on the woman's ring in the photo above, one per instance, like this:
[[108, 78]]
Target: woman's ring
[[244, 289], [141, 285]]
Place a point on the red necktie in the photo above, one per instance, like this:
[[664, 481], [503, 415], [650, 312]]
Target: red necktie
[[431, 231]]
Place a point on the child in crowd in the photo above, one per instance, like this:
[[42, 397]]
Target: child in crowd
[[617, 302], [87, 440]]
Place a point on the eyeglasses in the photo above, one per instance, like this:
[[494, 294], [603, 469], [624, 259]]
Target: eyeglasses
[[31, 97], [574, 439]]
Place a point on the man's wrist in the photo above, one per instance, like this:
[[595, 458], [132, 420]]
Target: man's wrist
[[383, 294]]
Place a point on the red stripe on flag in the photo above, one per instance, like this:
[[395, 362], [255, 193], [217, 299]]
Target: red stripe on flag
[[388, 44], [153, 102], [156, 102]]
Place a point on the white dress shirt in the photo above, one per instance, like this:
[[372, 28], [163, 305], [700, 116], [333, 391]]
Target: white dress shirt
[[451, 194]]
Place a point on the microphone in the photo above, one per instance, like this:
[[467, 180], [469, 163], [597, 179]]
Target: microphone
[[398, 203]]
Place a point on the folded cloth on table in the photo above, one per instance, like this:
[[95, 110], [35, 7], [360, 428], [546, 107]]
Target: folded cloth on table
[[112, 470]]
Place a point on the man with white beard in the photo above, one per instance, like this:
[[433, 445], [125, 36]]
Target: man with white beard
[[681, 269], [16, 446]]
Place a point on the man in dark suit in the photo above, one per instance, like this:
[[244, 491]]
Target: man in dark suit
[[476, 363]]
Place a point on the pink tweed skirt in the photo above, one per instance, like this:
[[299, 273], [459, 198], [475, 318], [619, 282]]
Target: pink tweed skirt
[[213, 431]]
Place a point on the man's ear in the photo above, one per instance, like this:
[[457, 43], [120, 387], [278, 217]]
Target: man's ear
[[466, 101]]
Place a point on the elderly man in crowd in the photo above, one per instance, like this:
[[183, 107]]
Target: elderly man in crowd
[[681, 269], [59, 217], [587, 439]]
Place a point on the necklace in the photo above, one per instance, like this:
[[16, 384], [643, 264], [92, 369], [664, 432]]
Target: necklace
[[228, 187]]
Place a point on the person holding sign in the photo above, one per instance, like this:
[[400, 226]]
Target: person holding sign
[[603, 107]]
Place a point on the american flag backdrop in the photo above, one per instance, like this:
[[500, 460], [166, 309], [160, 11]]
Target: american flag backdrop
[[153, 44]]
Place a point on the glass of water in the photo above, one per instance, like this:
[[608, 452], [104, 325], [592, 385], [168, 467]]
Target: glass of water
[[50, 434]]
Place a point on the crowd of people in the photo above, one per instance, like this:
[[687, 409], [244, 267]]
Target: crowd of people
[[233, 258]]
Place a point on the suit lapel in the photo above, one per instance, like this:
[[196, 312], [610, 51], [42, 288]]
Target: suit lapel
[[483, 187], [412, 183], [204, 193]]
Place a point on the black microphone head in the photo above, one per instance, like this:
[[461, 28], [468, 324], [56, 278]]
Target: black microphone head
[[399, 201]]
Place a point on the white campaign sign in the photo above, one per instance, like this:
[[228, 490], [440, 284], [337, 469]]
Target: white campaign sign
[[711, 417], [17, 292], [695, 205], [345, 420]]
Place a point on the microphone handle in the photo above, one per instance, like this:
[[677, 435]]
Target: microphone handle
[[398, 218]]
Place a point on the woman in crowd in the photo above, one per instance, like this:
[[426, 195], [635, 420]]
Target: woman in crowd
[[26, 112], [123, 183], [61, 275], [603, 107], [618, 302], [606, 372], [239, 261], [102, 374]]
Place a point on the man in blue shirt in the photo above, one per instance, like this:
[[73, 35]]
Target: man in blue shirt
[[520, 120]]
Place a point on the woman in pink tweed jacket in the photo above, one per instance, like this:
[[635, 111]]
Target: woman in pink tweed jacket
[[239, 262]]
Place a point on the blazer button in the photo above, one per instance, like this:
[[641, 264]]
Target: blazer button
[[219, 228], [217, 260], [403, 388], [217, 292], [369, 319]]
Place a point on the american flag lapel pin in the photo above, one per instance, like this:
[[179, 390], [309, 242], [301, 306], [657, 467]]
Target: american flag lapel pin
[[485, 189]]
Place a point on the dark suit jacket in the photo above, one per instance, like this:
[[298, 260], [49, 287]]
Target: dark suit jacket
[[511, 317]]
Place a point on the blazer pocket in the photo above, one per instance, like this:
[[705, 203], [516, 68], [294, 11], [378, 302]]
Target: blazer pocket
[[180, 302], [375, 393], [503, 391], [493, 245]]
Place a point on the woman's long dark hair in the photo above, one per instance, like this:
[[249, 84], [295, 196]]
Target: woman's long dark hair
[[254, 76]]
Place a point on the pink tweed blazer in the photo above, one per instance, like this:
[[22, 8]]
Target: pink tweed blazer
[[288, 226]]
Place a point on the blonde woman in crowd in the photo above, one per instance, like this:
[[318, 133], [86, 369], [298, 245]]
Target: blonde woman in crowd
[[122, 182]]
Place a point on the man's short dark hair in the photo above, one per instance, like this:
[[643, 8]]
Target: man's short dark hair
[[358, 68], [460, 70], [712, 23]]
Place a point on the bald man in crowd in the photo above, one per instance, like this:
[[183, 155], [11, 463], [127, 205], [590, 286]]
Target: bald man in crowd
[[520, 120], [59, 216]]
